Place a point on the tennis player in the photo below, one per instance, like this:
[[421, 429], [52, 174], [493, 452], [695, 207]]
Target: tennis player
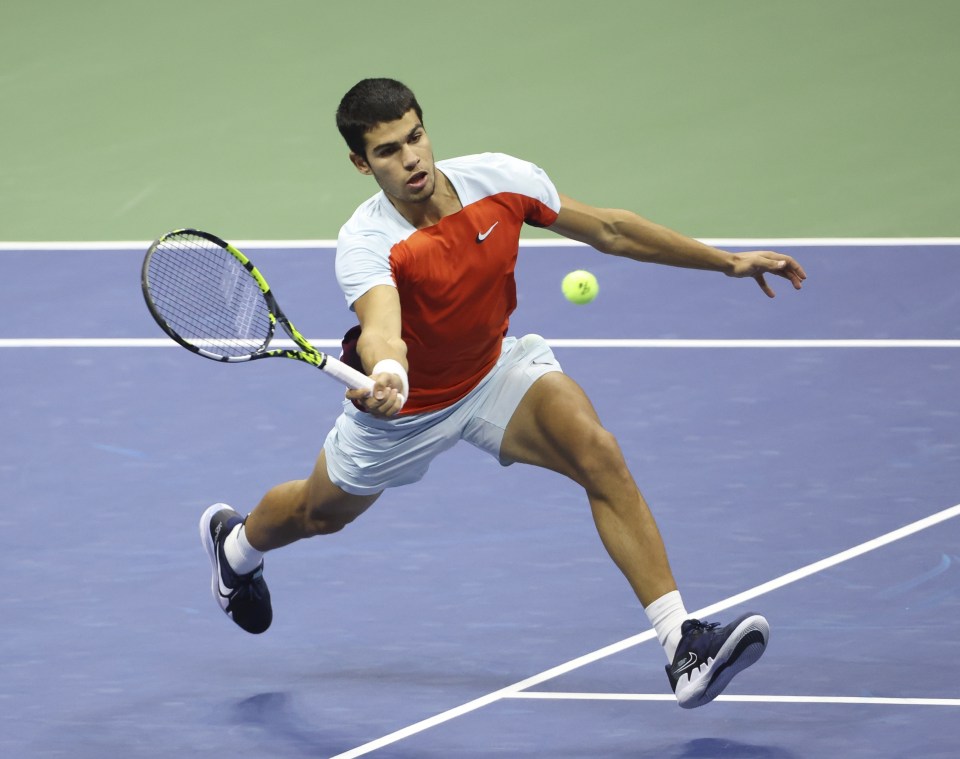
[[427, 266]]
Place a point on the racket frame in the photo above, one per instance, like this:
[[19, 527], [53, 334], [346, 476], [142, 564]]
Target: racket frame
[[307, 353]]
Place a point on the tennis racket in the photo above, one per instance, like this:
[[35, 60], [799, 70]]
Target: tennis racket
[[209, 297]]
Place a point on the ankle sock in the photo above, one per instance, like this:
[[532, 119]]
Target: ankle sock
[[242, 557], [666, 615]]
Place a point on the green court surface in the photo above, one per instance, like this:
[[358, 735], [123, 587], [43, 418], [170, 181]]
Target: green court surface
[[730, 118]]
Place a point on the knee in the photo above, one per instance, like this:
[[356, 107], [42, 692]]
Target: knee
[[325, 514], [310, 514], [319, 521], [599, 461]]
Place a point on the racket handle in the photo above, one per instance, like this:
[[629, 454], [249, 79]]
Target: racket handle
[[347, 375], [350, 376]]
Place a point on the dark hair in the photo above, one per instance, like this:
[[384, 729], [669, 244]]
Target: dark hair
[[371, 102]]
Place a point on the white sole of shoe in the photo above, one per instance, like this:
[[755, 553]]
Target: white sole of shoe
[[207, 539], [752, 636]]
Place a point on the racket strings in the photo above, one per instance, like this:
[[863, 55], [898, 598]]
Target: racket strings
[[207, 297]]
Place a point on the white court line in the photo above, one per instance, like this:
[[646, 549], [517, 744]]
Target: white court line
[[559, 242], [140, 246], [329, 342], [865, 700], [512, 690]]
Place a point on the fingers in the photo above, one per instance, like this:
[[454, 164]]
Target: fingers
[[385, 399], [768, 262], [764, 286], [795, 273]]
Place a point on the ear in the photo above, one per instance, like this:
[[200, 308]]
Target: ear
[[360, 163]]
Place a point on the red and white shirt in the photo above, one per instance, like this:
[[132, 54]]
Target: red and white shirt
[[455, 278]]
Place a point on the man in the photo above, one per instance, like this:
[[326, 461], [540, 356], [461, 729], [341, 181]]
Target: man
[[427, 265]]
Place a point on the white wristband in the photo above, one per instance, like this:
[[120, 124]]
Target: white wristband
[[391, 366]]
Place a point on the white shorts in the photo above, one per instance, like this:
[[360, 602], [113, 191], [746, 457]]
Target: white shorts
[[366, 454]]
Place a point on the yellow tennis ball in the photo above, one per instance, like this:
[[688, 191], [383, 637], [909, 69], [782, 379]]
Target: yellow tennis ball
[[580, 287]]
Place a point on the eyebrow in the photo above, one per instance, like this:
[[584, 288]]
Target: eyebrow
[[396, 143]]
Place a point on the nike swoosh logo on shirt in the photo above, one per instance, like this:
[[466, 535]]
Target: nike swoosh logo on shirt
[[481, 236]]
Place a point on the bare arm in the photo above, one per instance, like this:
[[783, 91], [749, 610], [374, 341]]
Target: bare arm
[[379, 312], [623, 233]]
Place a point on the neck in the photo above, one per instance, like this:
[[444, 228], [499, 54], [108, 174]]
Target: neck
[[443, 202]]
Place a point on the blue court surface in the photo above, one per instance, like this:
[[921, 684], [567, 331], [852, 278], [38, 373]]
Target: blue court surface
[[802, 457]]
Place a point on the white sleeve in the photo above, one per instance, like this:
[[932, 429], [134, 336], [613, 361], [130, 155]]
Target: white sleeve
[[532, 181], [362, 262], [485, 174]]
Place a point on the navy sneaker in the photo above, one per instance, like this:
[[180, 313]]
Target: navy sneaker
[[708, 657], [244, 598]]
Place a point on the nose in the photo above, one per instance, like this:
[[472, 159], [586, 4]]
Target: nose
[[410, 157]]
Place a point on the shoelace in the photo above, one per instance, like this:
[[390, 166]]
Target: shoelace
[[698, 626], [246, 587]]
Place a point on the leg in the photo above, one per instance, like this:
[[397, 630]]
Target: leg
[[556, 427], [302, 509], [287, 513], [313, 506]]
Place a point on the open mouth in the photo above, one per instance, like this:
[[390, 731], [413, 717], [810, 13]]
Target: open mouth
[[417, 181]]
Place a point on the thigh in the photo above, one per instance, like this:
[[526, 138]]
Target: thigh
[[326, 501], [300, 509], [556, 427]]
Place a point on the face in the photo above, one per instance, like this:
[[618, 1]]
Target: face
[[400, 158]]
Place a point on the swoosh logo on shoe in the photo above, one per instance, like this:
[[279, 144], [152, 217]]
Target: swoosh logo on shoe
[[224, 590], [481, 236], [684, 664]]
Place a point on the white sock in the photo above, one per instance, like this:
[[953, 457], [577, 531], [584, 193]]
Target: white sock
[[666, 614], [241, 556]]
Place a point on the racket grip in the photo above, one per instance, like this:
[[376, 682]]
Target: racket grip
[[347, 375], [350, 376]]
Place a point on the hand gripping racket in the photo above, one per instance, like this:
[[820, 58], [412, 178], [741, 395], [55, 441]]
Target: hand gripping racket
[[209, 297]]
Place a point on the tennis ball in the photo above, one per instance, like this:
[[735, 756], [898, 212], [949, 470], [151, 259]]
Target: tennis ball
[[580, 287]]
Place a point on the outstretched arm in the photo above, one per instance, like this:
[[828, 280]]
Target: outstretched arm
[[379, 312], [623, 233]]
